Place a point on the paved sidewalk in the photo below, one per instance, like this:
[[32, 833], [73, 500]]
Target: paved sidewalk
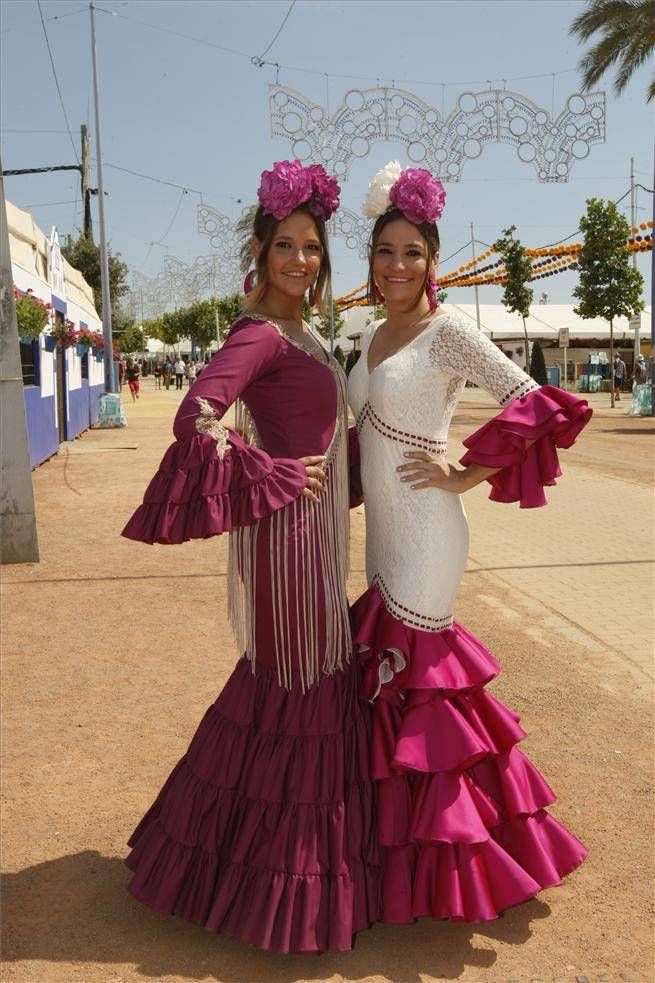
[[113, 650]]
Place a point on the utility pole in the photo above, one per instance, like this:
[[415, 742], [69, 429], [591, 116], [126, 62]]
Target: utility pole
[[477, 299], [110, 385], [18, 535], [85, 174], [633, 222]]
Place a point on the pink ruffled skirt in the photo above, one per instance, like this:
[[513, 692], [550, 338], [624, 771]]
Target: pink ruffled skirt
[[461, 810], [265, 830]]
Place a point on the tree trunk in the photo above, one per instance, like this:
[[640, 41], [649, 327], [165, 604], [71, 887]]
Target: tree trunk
[[527, 347], [612, 362]]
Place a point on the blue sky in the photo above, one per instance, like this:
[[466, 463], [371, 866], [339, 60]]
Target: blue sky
[[185, 112]]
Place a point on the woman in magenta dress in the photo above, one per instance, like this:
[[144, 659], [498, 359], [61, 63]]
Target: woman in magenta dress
[[462, 817], [264, 830]]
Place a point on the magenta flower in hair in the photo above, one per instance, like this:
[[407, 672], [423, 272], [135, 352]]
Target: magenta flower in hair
[[288, 185], [418, 195], [326, 192]]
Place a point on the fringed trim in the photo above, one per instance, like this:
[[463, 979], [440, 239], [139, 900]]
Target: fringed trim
[[207, 422], [323, 549]]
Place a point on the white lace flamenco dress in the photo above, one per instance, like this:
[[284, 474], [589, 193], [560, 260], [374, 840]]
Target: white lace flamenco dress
[[461, 810]]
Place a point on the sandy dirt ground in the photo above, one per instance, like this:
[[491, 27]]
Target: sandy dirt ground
[[113, 650]]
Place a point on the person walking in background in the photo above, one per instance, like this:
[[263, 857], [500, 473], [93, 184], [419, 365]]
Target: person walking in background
[[180, 369], [157, 372], [641, 389], [619, 373], [132, 373], [191, 373], [168, 372]]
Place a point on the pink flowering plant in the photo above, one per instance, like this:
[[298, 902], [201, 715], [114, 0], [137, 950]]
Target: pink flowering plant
[[418, 195], [86, 337], [65, 334], [32, 315], [289, 185]]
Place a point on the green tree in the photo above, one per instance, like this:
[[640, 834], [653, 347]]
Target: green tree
[[84, 255], [153, 327], [517, 297], [339, 355], [201, 323], [538, 365], [229, 309], [609, 287], [351, 360], [172, 328], [626, 36], [323, 325], [132, 339], [379, 313]]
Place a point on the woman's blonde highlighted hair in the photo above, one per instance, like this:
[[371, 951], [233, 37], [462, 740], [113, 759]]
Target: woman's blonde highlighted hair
[[255, 223]]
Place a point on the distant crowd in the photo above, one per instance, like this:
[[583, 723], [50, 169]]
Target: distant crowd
[[174, 368]]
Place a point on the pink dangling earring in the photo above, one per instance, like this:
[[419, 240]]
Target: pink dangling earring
[[249, 282], [432, 290], [312, 297]]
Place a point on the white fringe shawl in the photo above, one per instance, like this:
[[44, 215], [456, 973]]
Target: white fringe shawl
[[324, 528]]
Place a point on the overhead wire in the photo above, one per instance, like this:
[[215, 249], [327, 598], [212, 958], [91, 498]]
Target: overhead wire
[[279, 31], [260, 62], [69, 13], [54, 72]]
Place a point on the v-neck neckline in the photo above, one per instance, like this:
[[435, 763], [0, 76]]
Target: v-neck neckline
[[371, 371]]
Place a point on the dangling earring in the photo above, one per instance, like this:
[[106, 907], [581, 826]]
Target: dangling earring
[[249, 282], [432, 290]]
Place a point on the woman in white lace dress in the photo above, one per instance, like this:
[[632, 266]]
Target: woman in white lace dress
[[461, 810]]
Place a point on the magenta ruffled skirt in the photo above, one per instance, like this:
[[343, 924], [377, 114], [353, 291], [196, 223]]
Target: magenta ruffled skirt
[[461, 810], [265, 830]]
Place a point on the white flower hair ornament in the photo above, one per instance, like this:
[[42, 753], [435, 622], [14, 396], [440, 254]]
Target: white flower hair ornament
[[377, 200], [413, 191]]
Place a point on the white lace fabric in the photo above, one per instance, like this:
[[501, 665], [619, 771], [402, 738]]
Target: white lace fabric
[[417, 541]]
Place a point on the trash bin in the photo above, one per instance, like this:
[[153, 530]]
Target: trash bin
[[552, 372]]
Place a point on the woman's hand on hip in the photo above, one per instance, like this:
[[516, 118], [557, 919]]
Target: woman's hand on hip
[[316, 477], [430, 471]]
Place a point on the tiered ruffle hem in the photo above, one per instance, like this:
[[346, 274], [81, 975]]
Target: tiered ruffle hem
[[461, 810], [265, 829], [195, 494], [549, 417]]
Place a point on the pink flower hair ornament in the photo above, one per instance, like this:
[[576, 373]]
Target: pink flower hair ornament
[[290, 184], [413, 191]]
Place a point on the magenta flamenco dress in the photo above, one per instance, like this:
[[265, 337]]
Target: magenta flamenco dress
[[264, 831], [462, 820]]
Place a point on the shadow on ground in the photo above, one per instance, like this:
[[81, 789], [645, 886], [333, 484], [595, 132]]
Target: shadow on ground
[[76, 909]]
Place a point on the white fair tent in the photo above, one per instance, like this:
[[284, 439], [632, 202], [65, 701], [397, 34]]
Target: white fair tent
[[544, 322]]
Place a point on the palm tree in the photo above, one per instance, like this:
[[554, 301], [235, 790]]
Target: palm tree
[[627, 29]]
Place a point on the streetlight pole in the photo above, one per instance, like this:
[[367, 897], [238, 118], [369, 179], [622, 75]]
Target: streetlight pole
[[110, 386]]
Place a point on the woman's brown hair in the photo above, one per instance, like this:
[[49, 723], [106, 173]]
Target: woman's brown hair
[[257, 224], [428, 231]]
